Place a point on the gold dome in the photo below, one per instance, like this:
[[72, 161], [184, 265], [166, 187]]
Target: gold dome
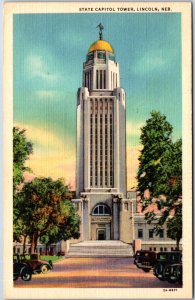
[[101, 45]]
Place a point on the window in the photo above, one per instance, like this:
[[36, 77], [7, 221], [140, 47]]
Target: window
[[100, 79], [151, 232], [97, 79], [104, 79], [165, 249], [101, 209], [112, 57], [76, 205], [154, 248], [90, 56], [150, 249], [126, 204], [161, 249], [101, 55], [140, 233], [161, 233]]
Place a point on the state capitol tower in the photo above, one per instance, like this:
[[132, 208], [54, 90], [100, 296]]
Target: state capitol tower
[[101, 143]]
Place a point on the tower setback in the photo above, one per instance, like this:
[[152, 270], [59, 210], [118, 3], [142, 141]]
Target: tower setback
[[101, 147]]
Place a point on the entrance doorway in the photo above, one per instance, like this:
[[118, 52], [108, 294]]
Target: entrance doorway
[[101, 234]]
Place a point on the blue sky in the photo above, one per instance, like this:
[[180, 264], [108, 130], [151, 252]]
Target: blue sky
[[49, 50]]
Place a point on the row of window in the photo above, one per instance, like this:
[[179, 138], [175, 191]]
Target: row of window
[[88, 79], [100, 55], [99, 145], [161, 249], [100, 79], [96, 112], [114, 80], [101, 209], [150, 233]]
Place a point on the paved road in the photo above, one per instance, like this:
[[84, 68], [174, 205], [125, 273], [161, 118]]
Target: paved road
[[94, 273]]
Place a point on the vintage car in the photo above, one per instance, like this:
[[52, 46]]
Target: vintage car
[[165, 260], [37, 264], [145, 259], [61, 253], [173, 273], [21, 269]]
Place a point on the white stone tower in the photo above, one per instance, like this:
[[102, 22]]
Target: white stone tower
[[101, 144]]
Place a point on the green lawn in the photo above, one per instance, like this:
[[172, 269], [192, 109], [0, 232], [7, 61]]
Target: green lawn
[[53, 258]]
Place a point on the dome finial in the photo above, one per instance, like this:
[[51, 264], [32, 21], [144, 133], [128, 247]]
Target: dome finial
[[101, 27]]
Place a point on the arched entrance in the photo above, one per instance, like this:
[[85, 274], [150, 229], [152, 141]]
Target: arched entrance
[[101, 222]]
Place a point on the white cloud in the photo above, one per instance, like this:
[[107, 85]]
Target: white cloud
[[49, 95], [151, 61], [38, 67]]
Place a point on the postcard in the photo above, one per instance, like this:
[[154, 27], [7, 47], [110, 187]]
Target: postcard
[[97, 150]]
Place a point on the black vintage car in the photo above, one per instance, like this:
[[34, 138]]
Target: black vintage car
[[173, 273], [145, 260], [167, 264], [21, 269], [35, 262]]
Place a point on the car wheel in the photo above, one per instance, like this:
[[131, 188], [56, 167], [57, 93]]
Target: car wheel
[[15, 277], [179, 274], [172, 279], [26, 275], [146, 270], [51, 264], [167, 272], [44, 269], [158, 271]]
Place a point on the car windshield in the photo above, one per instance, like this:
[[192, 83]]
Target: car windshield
[[34, 256], [162, 256], [15, 259], [146, 254], [175, 257]]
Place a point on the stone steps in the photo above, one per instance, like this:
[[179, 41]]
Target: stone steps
[[100, 249]]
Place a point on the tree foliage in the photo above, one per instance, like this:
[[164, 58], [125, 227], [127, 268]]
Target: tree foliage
[[22, 148], [174, 227], [160, 172], [44, 211]]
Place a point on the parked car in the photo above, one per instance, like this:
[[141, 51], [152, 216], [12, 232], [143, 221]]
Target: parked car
[[173, 273], [145, 260], [61, 253], [165, 261], [37, 264], [21, 269]]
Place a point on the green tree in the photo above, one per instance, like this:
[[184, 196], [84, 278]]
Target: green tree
[[174, 228], [160, 171], [68, 228], [42, 208], [22, 148]]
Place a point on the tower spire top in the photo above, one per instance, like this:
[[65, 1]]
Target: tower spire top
[[101, 27]]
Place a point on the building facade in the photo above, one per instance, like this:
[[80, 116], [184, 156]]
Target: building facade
[[107, 211], [101, 148]]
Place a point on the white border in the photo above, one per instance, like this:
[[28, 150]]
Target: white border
[[77, 293]]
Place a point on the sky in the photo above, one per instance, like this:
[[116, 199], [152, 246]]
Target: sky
[[49, 51]]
